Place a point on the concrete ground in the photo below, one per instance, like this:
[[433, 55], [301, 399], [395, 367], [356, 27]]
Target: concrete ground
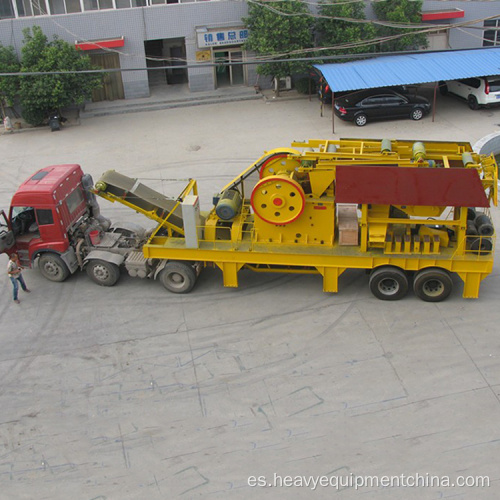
[[135, 393]]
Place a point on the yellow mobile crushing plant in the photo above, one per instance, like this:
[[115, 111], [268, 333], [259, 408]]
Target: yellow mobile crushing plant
[[409, 212]]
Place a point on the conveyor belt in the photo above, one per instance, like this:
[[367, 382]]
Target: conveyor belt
[[133, 193]]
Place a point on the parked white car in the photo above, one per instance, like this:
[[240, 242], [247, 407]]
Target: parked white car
[[477, 92]]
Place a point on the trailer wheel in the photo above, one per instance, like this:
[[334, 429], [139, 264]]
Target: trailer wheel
[[388, 283], [52, 267], [103, 273], [178, 277], [432, 285]]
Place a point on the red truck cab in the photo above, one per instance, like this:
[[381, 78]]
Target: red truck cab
[[42, 213]]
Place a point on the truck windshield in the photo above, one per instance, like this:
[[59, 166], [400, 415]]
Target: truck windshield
[[23, 220]]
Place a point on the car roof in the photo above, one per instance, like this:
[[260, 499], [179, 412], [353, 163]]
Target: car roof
[[362, 94]]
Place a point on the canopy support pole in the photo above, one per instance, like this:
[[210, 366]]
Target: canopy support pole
[[333, 114], [434, 102]]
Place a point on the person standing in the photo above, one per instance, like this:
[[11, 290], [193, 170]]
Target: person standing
[[14, 270]]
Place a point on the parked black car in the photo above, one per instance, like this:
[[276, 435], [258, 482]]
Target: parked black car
[[377, 104]]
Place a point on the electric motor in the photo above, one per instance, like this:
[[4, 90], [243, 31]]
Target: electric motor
[[229, 204]]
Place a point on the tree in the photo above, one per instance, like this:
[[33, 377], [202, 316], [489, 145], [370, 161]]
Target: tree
[[333, 32], [8, 84], [282, 29], [42, 94], [400, 11]]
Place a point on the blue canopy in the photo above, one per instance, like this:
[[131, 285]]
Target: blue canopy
[[408, 69]]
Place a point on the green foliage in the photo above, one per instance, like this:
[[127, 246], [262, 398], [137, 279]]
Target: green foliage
[[400, 11], [41, 94], [302, 85], [8, 84], [278, 28], [332, 32]]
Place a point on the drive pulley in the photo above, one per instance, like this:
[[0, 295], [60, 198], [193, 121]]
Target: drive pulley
[[278, 199], [284, 160]]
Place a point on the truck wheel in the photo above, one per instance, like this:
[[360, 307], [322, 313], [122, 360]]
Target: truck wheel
[[103, 273], [53, 267], [388, 283], [432, 285], [178, 277]]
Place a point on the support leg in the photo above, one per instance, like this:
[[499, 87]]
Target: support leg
[[330, 278], [230, 273]]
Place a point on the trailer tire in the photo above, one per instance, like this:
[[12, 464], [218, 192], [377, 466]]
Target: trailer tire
[[178, 277], [432, 284], [102, 272], [388, 283], [52, 267]]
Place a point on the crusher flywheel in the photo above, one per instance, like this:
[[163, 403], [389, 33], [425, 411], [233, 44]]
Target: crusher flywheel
[[278, 199]]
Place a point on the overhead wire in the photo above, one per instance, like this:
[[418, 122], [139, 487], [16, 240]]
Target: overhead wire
[[283, 56]]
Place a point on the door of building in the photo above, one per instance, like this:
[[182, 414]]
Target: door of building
[[112, 82], [226, 73]]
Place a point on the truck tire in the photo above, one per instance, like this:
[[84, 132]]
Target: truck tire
[[388, 283], [178, 277], [103, 273], [481, 246], [432, 284], [52, 267]]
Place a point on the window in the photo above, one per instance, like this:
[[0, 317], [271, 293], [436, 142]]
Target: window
[[6, 10], [494, 83], [395, 100], [44, 217], [371, 101], [57, 7], [475, 83], [73, 6], [74, 200], [491, 36]]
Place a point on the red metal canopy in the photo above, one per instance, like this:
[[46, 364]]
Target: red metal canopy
[[107, 43], [440, 14], [425, 186]]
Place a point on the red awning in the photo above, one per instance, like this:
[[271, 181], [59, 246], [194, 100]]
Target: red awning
[[438, 15], [107, 43]]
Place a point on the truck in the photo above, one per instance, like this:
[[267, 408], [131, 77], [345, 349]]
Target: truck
[[411, 214]]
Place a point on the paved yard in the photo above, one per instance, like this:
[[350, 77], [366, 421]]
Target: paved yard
[[135, 393]]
